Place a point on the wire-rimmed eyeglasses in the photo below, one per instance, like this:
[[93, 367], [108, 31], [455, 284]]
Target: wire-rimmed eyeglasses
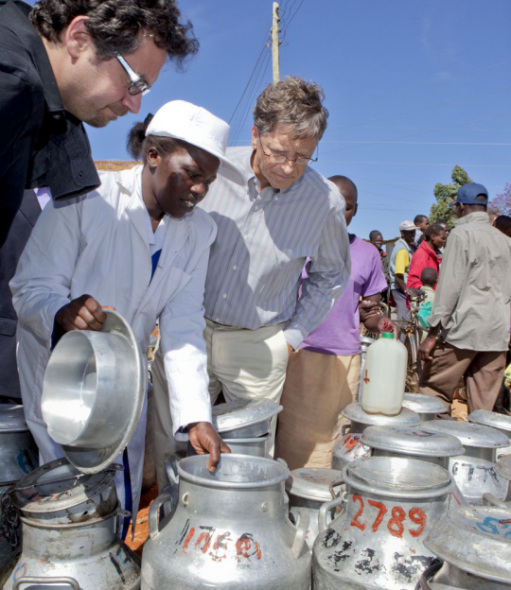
[[137, 85], [283, 158]]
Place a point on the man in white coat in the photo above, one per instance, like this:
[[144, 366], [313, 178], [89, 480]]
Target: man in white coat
[[136, 244]]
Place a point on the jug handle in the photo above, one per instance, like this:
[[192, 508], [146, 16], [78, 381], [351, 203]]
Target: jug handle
[[302, 527], [171, 473], [326, 508], [491, 500], [154, 513], [333, 485], [71, 582]]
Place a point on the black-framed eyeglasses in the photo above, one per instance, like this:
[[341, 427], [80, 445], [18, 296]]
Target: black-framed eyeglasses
[[283, 158], [137, 85]]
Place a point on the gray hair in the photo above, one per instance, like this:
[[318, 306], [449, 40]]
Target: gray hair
[[292, 102]]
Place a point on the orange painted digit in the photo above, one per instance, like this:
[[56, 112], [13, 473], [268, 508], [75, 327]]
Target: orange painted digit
[[417, 516], [382, 510], [355, 521], [395, 524], [351, 441]]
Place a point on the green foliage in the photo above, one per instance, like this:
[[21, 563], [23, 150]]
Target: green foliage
[[445, 193]]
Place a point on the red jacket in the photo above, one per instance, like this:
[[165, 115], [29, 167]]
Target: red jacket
[[423, 257]]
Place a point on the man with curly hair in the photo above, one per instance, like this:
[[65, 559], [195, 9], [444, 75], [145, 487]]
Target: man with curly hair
[[64, 62]]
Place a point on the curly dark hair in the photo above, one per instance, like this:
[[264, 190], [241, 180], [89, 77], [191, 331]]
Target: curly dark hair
[[116, 26], [294, 102]]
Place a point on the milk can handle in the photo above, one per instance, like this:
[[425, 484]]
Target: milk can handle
[[71, 582], [154, 513], [326, 508], [302, 526], [491, 500]]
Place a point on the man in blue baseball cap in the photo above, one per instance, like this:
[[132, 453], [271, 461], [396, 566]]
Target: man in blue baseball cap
[[470, 318]]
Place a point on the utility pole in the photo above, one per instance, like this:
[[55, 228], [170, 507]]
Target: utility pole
[[275, 42]]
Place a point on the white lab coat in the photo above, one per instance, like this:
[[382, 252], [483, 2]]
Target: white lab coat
[[99, 245]]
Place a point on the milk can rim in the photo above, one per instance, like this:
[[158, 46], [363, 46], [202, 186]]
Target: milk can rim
[[243, 459]]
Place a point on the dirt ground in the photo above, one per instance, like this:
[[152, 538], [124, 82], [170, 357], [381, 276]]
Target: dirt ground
[[142, 527]]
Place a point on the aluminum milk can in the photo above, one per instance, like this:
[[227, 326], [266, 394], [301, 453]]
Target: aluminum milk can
[[503, 469], [18, 457], [474, 543], [18, 451], [230, 530], [308, 489], [69, 525], [499, 421], [426, 406], [474, 470], [349, 448], [390, 505], [391, 441]]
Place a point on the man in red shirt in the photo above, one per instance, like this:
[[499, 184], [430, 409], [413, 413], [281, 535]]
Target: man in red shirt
[[427, 255]]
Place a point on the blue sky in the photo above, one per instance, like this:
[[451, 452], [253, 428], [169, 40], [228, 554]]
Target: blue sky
[[413, 88]]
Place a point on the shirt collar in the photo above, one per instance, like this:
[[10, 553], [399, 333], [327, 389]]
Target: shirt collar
[[476, 217]]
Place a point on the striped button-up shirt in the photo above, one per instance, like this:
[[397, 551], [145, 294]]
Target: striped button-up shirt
[[263, 241]]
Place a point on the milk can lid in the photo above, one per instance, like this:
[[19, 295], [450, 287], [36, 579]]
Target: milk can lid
[[411, 441], [473, 538], [240, 413], [313, 483], [12, 418], [58, 485], [387, 335], [493, 419], [356, 413], [423, 404], [397, 475], [470, 434], [87, 457]]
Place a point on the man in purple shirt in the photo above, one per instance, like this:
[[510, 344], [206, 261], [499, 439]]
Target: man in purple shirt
[[323, 374]]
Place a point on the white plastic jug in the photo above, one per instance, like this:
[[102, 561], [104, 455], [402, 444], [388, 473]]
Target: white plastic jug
[[384, 377]]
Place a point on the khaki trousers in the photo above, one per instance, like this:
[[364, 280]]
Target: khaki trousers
[[247, 364], [317, 388], [482, 372]]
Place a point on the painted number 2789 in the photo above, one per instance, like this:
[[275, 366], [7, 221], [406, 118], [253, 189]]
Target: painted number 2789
[[395, 521]]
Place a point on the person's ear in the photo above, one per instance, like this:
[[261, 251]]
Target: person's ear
[[153, 157], [255, 136], [76, 37]]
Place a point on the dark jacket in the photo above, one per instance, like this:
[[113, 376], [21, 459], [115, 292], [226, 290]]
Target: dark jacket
[[42, 145], [10, 252]]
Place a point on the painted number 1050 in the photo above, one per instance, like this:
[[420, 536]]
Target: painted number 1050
[[396, 521]]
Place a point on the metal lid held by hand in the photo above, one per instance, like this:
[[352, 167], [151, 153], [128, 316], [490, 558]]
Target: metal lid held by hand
[[93, 393]]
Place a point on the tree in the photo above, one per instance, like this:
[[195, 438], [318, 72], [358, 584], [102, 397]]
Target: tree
[[445, 194], [501, 204]]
